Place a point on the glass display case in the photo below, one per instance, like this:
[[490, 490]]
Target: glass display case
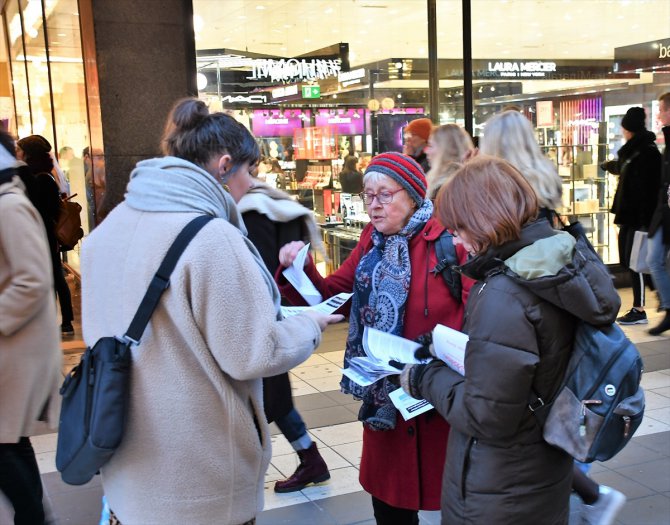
[[587, 193]]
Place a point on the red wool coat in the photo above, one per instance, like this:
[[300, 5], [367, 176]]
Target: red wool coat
[[403, 467]]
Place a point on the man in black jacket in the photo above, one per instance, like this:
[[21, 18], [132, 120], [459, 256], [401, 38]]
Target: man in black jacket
[[659, 228], [639, 168]]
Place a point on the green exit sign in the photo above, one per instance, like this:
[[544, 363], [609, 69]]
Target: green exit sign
[[311, 91]]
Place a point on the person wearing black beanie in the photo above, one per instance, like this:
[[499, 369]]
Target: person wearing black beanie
[[44, 192], [633, 120], [639, 168]]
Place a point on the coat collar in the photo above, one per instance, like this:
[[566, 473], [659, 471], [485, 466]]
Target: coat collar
[[493, 260]]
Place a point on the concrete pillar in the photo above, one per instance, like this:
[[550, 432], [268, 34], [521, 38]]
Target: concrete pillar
[[139, 57]]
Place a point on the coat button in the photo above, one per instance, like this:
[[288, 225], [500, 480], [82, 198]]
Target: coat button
[[410, 431]]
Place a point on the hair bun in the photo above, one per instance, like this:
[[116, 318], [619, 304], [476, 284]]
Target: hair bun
[[189, 113]]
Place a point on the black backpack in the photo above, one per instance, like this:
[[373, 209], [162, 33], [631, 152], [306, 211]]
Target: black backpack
[[600, 402]]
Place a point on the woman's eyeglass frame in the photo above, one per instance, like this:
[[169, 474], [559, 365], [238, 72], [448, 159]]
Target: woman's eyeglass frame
[[383, 197]]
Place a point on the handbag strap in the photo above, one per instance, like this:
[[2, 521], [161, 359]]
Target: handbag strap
[[161, 279]]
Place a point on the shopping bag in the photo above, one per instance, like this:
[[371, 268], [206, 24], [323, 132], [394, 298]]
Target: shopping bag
[[638, 253]]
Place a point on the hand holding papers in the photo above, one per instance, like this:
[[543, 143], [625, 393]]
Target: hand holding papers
[[380, 348], [295, 274]]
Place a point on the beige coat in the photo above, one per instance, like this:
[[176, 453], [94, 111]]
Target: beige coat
[[196, 446], [30, 355]]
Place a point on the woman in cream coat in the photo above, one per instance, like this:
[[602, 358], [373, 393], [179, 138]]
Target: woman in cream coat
[[196, 446], [30, 356]]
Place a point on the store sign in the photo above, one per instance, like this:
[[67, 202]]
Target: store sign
[[311, 91], [648, 56], [293, 70], [544, 110], [273, 123], [244, 99], [522, 69], [283, 92], [345, 122]]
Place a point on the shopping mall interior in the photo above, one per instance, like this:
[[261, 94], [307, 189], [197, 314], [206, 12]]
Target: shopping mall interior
[[316, 81]]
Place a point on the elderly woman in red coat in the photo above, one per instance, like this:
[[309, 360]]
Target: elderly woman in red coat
[[396, 291]]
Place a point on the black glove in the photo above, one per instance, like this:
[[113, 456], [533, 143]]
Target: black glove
[[427, 351]]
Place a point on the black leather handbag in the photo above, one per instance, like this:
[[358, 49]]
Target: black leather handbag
[[96, 392]]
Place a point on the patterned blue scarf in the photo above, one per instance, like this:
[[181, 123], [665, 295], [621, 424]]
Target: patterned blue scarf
[[380, 292]]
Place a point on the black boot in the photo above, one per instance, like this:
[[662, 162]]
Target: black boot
[[312, 469], [662, 326]]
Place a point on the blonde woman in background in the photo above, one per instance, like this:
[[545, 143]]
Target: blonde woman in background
[[448, 146], [510, 136]]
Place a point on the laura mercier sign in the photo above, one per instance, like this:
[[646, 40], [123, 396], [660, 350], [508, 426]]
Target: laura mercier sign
[[522, 69]]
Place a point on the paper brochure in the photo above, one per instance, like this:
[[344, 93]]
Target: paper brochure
[[295, 274], [408, 406], [450, 346], [326, 307]]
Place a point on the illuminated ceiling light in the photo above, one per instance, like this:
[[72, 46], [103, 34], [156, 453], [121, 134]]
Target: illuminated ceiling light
[[398, 65], [399, 95], [202, 81], [260, 7]]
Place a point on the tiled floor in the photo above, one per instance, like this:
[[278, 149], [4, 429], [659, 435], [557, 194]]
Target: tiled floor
[[641, 471]]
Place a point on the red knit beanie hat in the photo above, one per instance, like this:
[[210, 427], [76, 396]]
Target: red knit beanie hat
[[402, 169], [421, 127]]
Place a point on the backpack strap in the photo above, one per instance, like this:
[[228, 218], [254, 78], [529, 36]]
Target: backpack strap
[[161, 279], [445, 250]]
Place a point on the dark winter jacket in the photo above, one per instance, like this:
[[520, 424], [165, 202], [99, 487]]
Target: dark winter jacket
[[639, 168], [422, 160], [520, 322], [268, 237], [661, 217], [43, 192]]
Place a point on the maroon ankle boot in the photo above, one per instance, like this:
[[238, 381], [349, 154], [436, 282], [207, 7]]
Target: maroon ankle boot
[[312, 469]]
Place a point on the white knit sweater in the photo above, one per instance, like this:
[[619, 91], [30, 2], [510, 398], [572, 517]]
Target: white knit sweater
[[196, 446]]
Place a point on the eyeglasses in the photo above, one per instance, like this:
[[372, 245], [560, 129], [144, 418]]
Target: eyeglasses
[[383, 197]]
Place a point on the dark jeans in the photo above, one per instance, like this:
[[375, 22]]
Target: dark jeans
[[62, 290], [292, 426], [386, 514], [20, 481]]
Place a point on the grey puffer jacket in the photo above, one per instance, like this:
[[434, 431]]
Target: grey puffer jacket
[[520, 319]]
